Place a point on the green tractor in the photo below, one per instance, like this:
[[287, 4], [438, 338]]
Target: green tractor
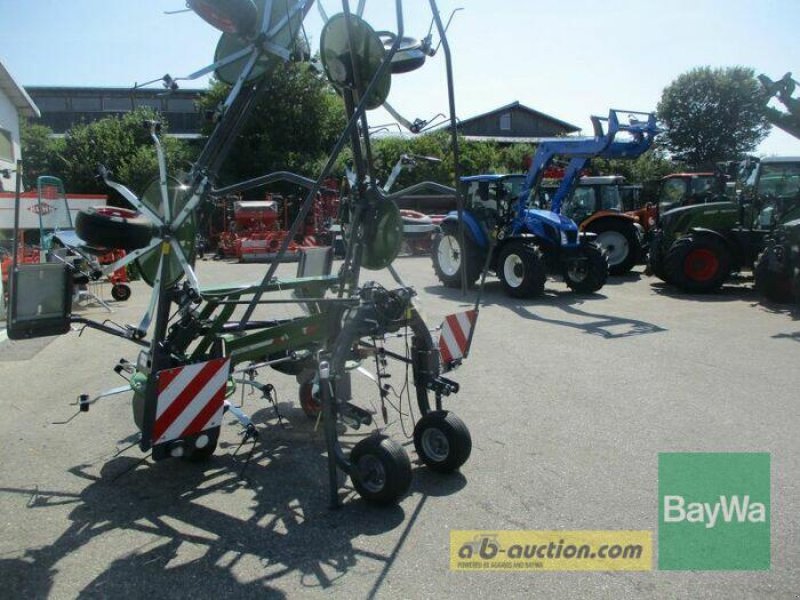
[[696, 248], [777, 271]]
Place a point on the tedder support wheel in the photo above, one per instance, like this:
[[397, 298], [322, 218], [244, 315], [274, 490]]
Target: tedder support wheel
[[697, 263], [449, 257], [521, 270], [381, 470], [589, 274], [113, 228], [772, 279], [120, 292], [196, 454], [620, 242], [309, 399], [442, 441]]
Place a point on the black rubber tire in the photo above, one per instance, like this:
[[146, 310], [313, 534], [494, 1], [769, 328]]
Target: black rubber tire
[[697, 264], [655, 256], [451, 430], [628, 231], [389, 484], [593, 274], [120, 292], [529, 266], [772, 279], [124, 231], [203, 454], [474, 257]]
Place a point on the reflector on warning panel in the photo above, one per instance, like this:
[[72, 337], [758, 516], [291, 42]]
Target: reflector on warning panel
[[455, 338], [190, 399]]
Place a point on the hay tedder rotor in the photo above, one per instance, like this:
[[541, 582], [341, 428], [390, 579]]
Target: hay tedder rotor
[[197, 342]]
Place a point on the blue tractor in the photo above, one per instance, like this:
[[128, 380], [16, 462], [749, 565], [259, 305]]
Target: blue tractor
[[522, 243]]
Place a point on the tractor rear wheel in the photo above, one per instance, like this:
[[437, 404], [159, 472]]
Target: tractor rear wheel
[[589, 273], [521, 269], [620, 242], [772, 279], [449, 258], [697, 263]]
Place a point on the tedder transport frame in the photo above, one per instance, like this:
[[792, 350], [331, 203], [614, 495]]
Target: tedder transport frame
[[194, 346]]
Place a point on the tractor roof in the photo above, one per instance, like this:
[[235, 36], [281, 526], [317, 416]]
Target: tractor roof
[[781, 159], [601, 180], [489, 177]]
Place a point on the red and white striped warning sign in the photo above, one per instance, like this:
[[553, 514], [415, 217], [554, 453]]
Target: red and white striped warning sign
[[454, 339], [190, 399]]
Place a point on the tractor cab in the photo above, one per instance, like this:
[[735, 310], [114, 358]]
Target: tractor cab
[[592, 195], [683, 189], [491, 197], [773, 187]]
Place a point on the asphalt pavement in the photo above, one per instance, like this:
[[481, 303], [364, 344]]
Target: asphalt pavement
[[569, 400]]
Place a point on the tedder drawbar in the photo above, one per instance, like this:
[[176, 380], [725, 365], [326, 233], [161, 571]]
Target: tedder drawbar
[[196, 342]]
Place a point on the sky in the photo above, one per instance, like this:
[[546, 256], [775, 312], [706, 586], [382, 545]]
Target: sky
[[569, 59]]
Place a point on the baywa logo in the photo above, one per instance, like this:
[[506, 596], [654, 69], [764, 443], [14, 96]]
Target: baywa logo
[[714, 511]]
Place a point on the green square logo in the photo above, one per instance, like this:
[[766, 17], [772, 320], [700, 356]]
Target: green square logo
[[714, 511]]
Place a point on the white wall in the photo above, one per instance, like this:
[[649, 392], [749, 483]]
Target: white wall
[[9, 120]]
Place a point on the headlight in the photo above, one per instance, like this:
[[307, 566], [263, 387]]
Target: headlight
[[564, 240]]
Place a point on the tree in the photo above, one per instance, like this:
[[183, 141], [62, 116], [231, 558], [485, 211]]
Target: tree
[[124, 146], [650, 166], [293, 127], [713, 115], [121, 144], [40, 152]]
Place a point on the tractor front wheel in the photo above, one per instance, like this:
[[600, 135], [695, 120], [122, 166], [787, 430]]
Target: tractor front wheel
[[589, 272], [521, 270], [697, 264]]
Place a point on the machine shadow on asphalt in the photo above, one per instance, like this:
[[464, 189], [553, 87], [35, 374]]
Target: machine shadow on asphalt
[[195, 545], [593, 323]]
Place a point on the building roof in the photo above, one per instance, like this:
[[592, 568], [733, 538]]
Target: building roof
[[17, 94], [516, 104], [127, 91]]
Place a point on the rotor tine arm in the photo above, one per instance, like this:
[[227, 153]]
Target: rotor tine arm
[[190, 205], [129, 257], [187, 268], [134, 200]]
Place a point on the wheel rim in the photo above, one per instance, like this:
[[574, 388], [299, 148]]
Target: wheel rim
[[513, 270], [578, 271], [435, 444], [371, 473], [701, 265], [616, 246], [449, 255]]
